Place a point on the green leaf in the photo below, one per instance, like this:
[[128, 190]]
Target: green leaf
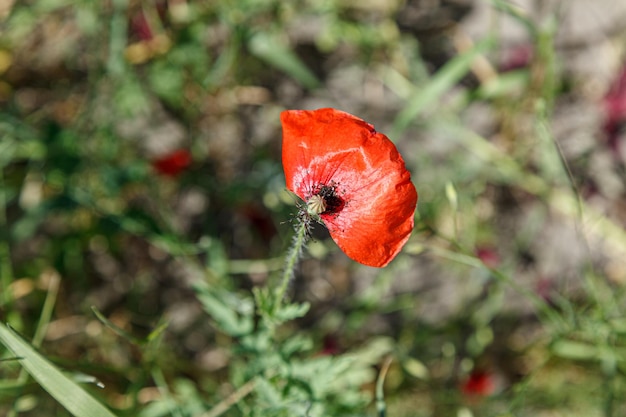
[[67, 392], [232, 313], [292, 311], [167, 81], [571, 349], [415, 368]]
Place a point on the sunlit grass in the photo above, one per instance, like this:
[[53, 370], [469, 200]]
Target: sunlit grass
[[167, 287]]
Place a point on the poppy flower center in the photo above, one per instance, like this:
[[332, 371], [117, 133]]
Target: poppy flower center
[[325, 200]]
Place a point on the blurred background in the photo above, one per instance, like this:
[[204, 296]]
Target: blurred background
[[140, 154]]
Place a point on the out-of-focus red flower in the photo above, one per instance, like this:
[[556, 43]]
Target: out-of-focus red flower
[[517, 57], [140, 27], [479, 383], [173, 163], [353, 178], [615, 110], [545, 288], [260, 221], [488, 256], [330, 346]]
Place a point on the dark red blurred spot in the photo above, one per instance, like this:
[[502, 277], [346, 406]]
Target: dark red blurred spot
[[517, 57], [173, 163], [615, 110], [479, 383], [488, 256], [544, 288], [330, 346], [140, 27], [260, 220]]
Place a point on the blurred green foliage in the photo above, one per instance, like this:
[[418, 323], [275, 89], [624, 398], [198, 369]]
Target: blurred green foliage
[[160, 282]]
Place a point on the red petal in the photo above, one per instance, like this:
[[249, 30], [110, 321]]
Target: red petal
[[331, 147]]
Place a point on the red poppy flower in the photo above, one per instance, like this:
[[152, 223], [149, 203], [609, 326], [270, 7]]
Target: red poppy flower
[[173, 163], [479, 383], [353, 179]]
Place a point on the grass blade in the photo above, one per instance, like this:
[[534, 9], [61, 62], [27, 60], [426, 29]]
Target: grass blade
[[441, 82], [68, 393], [270, 49]]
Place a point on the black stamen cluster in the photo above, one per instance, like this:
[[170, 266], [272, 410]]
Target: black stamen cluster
[[334, 203]]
